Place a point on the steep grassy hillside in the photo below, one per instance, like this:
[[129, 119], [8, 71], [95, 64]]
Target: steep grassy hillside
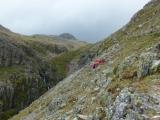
[[27, 69], [125, 87]]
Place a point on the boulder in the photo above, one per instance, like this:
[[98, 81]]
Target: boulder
[[128, 68], [155, 66], [131, 105], [145, 64]]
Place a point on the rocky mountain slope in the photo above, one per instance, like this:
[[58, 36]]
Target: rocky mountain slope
[[30, 65], [125, 87]]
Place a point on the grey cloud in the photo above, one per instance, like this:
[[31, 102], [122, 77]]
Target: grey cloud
[[90, 20]]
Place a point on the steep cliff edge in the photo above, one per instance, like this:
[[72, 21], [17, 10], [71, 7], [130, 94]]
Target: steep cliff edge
[[125, 87], [27, 69]]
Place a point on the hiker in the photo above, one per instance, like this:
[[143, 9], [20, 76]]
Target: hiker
[[94, 66], [97, 62]]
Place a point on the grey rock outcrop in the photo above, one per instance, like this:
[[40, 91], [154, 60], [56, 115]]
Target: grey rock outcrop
[[127, 69], [130, 105], [149, 62], [139, 66], [10, 54]]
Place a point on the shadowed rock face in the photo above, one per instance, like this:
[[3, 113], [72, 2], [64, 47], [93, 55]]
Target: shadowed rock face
[[25, 78], [6, 94], [10, 54], [26, 68]]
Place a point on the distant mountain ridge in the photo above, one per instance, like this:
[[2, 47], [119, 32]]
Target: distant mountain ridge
[[63, 36]]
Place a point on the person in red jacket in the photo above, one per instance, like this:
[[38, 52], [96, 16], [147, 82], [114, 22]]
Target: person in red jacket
[[97, 62]]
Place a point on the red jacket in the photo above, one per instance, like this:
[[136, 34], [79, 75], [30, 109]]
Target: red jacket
[[97, 62]]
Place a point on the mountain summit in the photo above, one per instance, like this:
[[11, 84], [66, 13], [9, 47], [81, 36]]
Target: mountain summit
[[67, 36]]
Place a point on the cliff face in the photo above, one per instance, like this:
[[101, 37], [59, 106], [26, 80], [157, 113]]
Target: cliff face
[[27, 69], [9, 54], [125, 87]]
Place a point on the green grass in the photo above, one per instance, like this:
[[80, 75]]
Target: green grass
[[7, 114], [61, 62], [5, 72]]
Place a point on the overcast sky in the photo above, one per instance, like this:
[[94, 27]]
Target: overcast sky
[[90, 20]]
